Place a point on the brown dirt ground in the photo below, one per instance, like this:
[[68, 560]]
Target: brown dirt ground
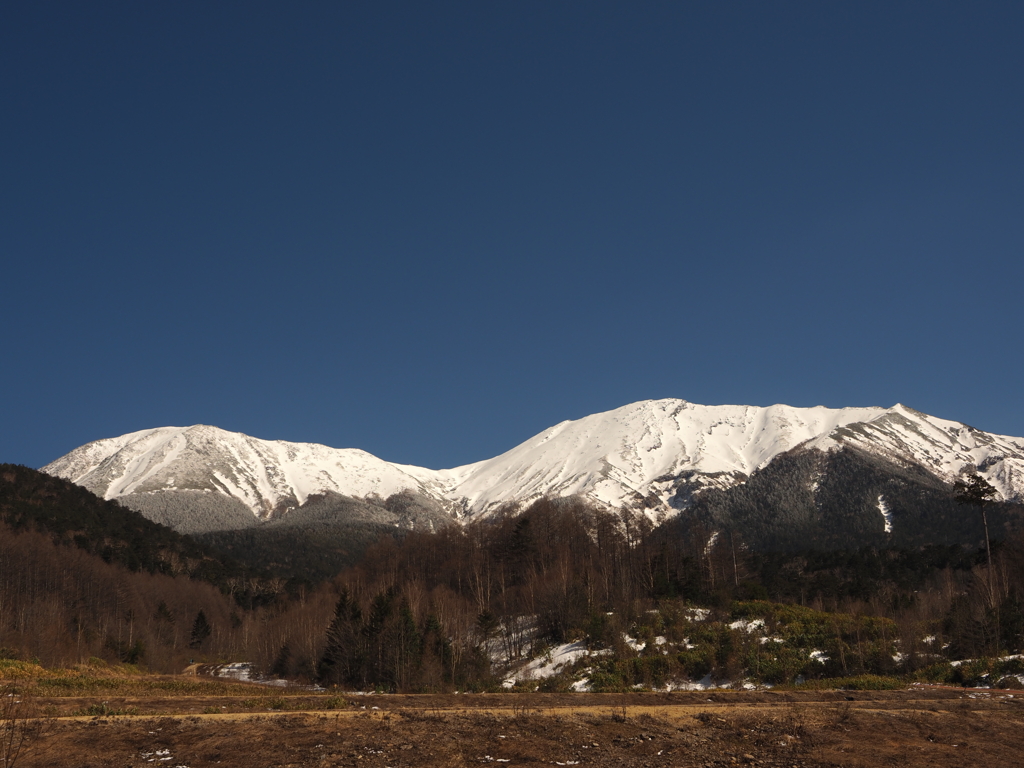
[[915, 728]]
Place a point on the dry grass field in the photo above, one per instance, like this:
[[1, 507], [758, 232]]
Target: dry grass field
[[180, 721]]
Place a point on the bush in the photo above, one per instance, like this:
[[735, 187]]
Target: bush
[[609, 681], [696, 663], [555, 684], [974, 673], [856, 683]]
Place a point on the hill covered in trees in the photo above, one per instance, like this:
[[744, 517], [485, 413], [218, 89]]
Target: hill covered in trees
[[466, 607], [845, 499], [72, 516], [457, 608]]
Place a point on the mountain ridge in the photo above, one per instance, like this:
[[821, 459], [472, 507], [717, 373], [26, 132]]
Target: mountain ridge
[[654, 457]]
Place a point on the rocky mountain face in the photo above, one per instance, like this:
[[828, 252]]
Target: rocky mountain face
[[655, 458]]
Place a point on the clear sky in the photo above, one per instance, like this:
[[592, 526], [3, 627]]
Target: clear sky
[[431, 230]]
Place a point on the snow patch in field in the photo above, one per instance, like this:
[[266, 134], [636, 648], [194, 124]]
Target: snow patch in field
[[706, 683], [553, 661], [160, 756], [244, 672], [750, 626], [1001, 658]]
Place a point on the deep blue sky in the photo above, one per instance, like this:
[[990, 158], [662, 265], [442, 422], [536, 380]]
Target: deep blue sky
[[431, 230]]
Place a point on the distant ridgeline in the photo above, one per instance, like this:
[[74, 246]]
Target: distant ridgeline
[[779, 477], [314, 543]]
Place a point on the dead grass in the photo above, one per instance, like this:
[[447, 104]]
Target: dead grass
[[135, 720]]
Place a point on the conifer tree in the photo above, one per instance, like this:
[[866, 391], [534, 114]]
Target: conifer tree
[[978, 492], [201, 630]]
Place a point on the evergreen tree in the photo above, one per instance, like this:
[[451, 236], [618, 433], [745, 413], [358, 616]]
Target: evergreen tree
[[978, 492], [343, 658], [201, 630]]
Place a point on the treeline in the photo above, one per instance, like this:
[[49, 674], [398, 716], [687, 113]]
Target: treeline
[[430, 611], [62, 605]]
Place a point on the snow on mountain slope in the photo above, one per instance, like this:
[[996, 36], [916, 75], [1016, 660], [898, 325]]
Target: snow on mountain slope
[[639, 449], [945, 448], [651, 456], [264, 475]]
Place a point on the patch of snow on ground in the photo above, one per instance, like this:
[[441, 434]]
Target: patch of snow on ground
[[162, 756], [1001, 658], [748, 626], [819, 656], [243, 671], [581, 686], [633, 643], [239, 670], [553, 661], [704, 684]]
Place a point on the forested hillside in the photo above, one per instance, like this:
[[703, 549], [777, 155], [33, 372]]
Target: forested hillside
[[454, 608], [326, 534], [71, 515], [81, 577], [467, 607], [835, 500]]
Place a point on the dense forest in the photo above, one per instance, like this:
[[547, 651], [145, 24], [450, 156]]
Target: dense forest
[[462, 608]]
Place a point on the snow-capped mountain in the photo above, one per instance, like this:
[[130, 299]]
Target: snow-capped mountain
[[646, 453], [653, 457], [266, 476]]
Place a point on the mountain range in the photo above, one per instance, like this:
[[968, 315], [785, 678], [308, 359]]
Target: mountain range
[[654, 458]]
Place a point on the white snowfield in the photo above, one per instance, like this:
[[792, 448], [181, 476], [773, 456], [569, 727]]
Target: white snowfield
[[635, 455]]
